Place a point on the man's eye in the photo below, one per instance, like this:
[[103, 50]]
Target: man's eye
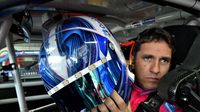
[[165, 61], [147, 59]]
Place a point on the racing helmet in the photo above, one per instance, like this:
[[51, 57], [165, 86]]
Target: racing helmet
[[81, 64]]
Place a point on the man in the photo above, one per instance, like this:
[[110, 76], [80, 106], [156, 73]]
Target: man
[[152, 59]]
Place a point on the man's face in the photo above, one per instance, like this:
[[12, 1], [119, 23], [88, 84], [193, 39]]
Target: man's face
[[152, 62]]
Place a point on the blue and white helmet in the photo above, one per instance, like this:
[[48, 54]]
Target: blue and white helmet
[[81, 64]]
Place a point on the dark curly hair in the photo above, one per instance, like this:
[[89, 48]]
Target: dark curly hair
[[153, 34]]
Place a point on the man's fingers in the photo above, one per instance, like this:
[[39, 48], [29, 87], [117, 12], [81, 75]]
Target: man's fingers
[[102, 108], [114, 103], [111, 105], [118, 100], [94, 109]]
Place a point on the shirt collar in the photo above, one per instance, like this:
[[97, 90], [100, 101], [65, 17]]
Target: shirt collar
[[142, 91]]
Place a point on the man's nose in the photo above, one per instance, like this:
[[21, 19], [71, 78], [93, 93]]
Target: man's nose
[[155, 67]]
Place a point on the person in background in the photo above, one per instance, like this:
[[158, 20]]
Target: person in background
[[152, 59]]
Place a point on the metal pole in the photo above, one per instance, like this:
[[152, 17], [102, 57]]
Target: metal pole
[[16, 75], [24, 84], [43, 108], [195, 4], [4, 29], [158, 19], [28, 98]]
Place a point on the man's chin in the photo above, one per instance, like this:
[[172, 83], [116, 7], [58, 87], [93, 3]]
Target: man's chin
[[152, 87]]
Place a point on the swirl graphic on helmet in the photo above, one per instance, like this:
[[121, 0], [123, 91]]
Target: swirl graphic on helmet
[[81, 64]]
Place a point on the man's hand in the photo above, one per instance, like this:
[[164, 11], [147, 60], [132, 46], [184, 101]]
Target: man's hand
[[114, 103]]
